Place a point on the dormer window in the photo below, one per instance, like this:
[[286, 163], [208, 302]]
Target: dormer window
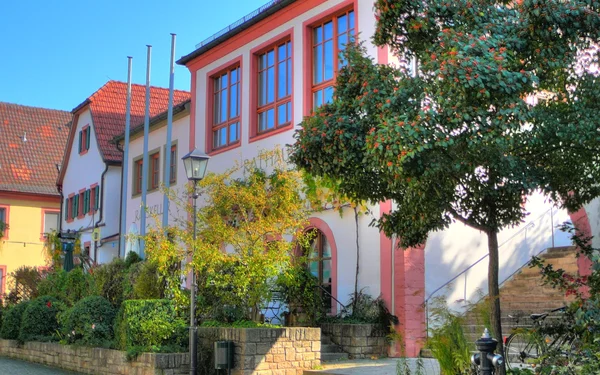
[[84, 139]]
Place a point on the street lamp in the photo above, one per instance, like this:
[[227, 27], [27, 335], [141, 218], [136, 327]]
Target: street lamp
[[195, 167]]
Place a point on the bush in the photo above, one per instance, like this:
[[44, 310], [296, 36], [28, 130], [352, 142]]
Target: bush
[[54, 284], [11, 321], [152, 325], [68, 287], [39, 321], [89, 322], [299, 289], [109, 281]]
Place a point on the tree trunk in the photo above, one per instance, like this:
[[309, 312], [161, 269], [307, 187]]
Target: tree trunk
[[357, 262], [494, 293]]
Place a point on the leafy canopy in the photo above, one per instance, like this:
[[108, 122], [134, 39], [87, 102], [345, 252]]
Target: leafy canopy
[[462, 140]]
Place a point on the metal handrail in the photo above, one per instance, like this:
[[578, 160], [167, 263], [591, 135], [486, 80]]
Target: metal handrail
[[529, 225], [343, 310]]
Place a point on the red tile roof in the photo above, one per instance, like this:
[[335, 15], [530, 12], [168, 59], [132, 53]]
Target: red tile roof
[[108, 106], [32, 141]]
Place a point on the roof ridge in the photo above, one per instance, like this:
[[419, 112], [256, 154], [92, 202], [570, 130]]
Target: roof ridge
[[36, 107], [112, 81]]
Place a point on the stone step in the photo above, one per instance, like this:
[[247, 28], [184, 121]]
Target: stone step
[[329, 357], [325, 340], [330, 348], [559, 252]]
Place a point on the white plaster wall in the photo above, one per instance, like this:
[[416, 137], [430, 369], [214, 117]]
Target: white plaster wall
[[449, 252], [154, 200], [593, 211]]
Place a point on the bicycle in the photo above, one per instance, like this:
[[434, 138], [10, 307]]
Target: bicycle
[[527, 347]]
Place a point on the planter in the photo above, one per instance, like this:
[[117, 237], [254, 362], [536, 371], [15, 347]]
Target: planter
[[96, 360], [263, 351], [358, 340]]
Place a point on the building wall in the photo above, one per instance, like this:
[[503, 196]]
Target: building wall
[[154, 199], [24, 244], [84, 171]]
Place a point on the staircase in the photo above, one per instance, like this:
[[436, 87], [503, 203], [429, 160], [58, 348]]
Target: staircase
[[330, 351], [524, 294]]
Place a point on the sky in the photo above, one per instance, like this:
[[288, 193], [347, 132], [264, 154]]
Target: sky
[[55, 54]]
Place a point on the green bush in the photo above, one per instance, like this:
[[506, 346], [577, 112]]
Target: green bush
[[147, 284], [54, 284], [110, 279], [68, 287], [299, 289], [39, 321], [11, 321], [89, 322], [152, 325]]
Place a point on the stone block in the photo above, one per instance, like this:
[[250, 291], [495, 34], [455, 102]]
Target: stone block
[[252, 334], [250, 348], [290, 354], [316, 346], [262, 348]]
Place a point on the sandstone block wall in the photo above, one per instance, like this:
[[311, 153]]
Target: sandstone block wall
[[358, 340]]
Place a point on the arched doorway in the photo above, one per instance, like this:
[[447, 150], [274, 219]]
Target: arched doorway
[[320, 264]]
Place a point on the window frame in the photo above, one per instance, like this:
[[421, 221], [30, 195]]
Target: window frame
[[44, 212], [173, 167], [84, 139], [3, 281], [274, 42], [309, 26], [209, 125], [154, 159], [137, 176], [6, 209], [93, 204], [80, 204]]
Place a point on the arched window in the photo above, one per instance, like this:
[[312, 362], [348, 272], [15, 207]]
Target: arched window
[[320, 264]]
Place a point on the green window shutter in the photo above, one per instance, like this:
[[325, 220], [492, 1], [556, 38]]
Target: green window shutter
[[87, 138], [66, 209], [86, 201], [96, 197], [76, 204], [80, 141]]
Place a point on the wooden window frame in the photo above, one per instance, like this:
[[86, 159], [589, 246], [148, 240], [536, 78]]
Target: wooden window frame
[[210, 126], [93, 203], [273, 43], [6, 208], [137, 176], [80, 204], [84, 139], [173, 167], [154, 175], [44, 212]]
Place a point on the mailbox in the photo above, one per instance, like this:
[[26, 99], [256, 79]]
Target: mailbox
[[224, 355]]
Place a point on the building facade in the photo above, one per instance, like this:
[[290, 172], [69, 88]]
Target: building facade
[[31, 141]]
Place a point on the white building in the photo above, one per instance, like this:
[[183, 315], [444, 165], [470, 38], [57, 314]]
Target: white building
[[90, 177]]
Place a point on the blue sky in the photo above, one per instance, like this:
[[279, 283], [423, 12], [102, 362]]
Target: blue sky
[[54, 54]]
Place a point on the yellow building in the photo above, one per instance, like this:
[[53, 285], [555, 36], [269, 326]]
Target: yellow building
[[32, 141]]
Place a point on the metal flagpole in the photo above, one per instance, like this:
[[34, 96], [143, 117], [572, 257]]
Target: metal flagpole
[[145, 157], [167, 174], [125, 174]]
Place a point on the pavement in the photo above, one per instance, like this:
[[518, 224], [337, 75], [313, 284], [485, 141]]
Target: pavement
[[9, 366], [386, 366]]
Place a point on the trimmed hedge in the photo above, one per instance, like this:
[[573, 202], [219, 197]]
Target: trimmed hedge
[[150, 325], [11, 321], [89, 322], [39, 321]]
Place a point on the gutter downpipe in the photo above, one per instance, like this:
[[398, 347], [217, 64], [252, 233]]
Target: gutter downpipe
[[167, 173], [145, 157], [101, 216], [125, 165]]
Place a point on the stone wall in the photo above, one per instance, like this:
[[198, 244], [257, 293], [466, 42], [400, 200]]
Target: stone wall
[[263, 351], [358, 340], [96, 360]]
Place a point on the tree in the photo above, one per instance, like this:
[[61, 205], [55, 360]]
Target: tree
[[249, 223], [459, 141]]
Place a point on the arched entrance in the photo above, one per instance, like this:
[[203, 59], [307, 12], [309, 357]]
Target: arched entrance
[[322, 260]]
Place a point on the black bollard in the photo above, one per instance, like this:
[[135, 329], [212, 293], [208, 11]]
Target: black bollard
[[486, 360]]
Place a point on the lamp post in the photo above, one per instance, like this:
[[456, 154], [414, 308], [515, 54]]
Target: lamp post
[[195, 164]]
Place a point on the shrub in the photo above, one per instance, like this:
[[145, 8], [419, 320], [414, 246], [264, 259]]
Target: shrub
[[11, 321], [89, 322], [39, 321], [147, 284], [54, 284], [299, 289], [24, 283], [149, 324], [78, 285], [109, 281]]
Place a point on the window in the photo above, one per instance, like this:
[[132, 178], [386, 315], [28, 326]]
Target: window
[[154, 171], [275, 87], [84, 139], [50, 221], [74, 206], [137, 176], [94, 198], [173, 166], [69, 208], [328, 40], [320, 264], [226, 108], [4, 222], [81, 204]]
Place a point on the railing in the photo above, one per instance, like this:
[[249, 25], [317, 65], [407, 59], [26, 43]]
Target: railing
[[343, 309], [464, 272], [238, 23]]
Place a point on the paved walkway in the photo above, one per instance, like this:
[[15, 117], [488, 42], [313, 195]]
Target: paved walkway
[[9, 366], [385, 366]]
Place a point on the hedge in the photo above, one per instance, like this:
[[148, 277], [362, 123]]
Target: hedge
[[11, 321], [39, 321], [150, 325], [89, 322]]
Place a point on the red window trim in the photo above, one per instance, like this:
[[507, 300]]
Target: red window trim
[[285, 36], [154, 161], [137, 177], [3, 281], [238, 61], [70, 218], [93, 199], [44, 210], [84, 130], [307, 26], [173, 166], [7, 215], [81, 214]]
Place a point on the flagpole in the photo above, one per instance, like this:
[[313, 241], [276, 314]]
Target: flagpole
[[125, 171], [167, 174], [145, 156]]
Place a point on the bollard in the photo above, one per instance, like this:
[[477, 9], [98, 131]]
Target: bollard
[[486, 359]]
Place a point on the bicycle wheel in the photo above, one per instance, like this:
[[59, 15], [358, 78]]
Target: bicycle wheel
[[521, 350]]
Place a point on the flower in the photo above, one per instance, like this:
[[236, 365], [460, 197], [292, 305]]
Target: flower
[[94, 326], [49, 304]]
